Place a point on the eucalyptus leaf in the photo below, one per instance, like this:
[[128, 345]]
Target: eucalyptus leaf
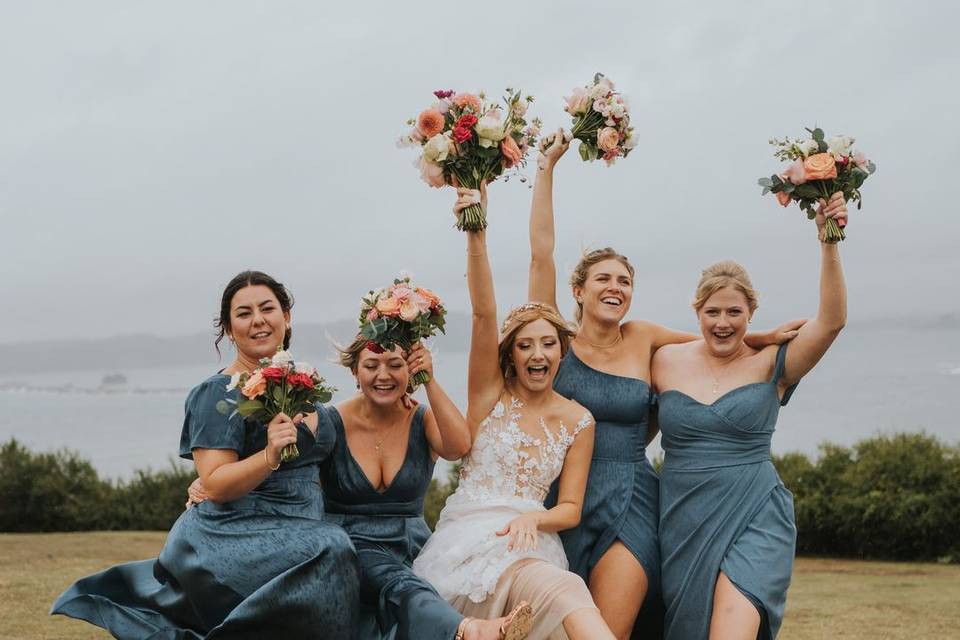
[[765, 182]]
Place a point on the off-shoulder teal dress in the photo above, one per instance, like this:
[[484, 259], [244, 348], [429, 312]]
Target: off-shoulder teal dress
[[388, 530], [723, 507], [266, 565]]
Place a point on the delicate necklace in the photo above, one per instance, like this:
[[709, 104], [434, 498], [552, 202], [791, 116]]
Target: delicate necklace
[[715, 387], [615, 342]]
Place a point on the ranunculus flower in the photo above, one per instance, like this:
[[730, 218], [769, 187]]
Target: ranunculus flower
[[467, 101], [431, 173], [388, 306], [511, 152], [783, 198], [274, 374], [820, 166], [577, 102], [490, 131], [437, 148], [409, 310], [430, 123], [608, 139], [430, 296], [255, 386], [795, 173]]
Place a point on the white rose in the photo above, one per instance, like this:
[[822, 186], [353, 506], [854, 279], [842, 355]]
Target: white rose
[[631, 140], [437, 148], [489, 130], [839, 146], [808, 147], [281, 358]]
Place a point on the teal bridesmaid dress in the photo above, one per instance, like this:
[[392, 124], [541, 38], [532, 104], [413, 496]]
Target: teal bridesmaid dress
[[388, 530], [723, 507], [266, 565]]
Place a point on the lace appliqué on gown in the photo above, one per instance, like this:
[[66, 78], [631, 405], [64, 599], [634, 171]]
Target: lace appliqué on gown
[[507, 472]]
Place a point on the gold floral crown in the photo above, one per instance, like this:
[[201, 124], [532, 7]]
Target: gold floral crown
[[511, 318]]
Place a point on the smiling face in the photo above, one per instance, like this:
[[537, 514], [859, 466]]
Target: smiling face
[[382, 377], [536, 355], [723, 321], [257, 322], [606, 292]]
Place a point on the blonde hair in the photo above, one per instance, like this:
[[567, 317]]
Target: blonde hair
[[725, 274], [349, 356], [579, 276], [520, 317]]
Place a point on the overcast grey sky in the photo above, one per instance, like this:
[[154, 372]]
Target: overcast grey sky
[[149, 151]]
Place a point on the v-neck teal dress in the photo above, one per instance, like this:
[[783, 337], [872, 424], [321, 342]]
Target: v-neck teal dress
[[388, 530], [723, 506], [266, 565]]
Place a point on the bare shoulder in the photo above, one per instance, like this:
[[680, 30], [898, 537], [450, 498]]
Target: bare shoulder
[[637, 329], [670, 353]]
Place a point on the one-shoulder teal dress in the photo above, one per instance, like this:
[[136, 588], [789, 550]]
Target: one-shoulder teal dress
[[723, 507], [266, 565], [388, 530]]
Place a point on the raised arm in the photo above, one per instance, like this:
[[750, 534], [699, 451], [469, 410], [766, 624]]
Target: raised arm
[[816, 336], [484, 380], [446, 429], [543, 269]]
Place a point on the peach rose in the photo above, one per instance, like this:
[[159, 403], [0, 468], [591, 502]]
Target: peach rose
[[429, 296], [511, 152], [254, 386], [409, 310], [820, 166], [388, 306], [795, 173], [430, 123], [467, 100], [608, 139], [783, 198]]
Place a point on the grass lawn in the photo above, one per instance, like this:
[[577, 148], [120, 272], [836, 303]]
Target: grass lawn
[[828, 598]]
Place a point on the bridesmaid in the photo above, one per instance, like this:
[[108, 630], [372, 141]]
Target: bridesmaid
[[374, 485], [257, 560], [727, 530], [606, 370]]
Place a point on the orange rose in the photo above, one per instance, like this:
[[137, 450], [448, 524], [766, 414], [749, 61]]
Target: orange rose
[[430, 123], [429, 296], [511, 152], [820, 166], [783, 198], [255, 386], [388, 307]]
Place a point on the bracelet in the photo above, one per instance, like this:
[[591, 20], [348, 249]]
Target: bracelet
[[477, 255], [267, 460]]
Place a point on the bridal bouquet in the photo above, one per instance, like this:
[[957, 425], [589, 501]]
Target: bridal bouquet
[[601, 121], [279, 385], [401, 314], [819, 167], [466, 137]]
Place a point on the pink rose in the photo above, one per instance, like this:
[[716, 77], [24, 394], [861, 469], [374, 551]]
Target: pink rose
[[372, 315], [608, 139], [783, 198], [254, 386], [795, 173], [409, 310], [511, 152], [577, 102], [431, 173]]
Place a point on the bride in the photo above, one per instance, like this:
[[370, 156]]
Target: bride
[[495, 547]]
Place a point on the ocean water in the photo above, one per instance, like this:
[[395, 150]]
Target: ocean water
[[871, 381]]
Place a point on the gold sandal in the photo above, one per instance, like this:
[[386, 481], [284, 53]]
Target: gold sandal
[[518, 622]]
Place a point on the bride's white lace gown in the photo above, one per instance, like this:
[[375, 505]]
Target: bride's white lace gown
[[507, 473]]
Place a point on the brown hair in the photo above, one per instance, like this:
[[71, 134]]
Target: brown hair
[[520, 317], [349, 356], [249, 279], [579, 276], [725, 274]]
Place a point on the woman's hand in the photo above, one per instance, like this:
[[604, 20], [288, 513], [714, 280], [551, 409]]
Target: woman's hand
[[281, 432], [787, 331], [420, 359], [469, 197], [550, 155], [523, 532], [195, 493], [836, 208]]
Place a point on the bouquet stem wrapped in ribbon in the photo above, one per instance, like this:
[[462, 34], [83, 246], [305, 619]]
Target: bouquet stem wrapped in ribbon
[[819, 168], [464, 136], [279, 385], [400, 315]]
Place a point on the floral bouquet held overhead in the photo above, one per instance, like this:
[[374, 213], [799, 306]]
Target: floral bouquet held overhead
[[601, 122], [466, 138], [401, 314], [819, 168], [279, 385]]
